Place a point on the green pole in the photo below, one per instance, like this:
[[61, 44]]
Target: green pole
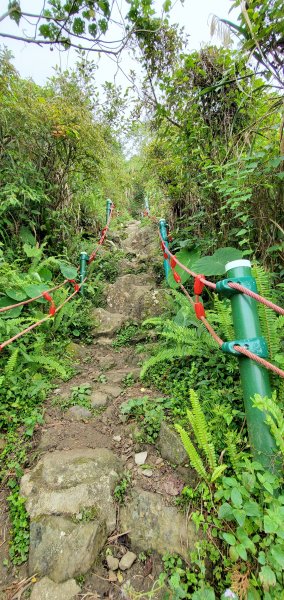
[[83, 269], [254, 377], [108, 209], [164, 234], [147, 207]]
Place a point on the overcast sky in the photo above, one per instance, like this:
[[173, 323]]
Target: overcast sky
[[39, 62]]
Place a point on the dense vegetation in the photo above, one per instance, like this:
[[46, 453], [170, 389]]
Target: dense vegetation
[[210, 160]]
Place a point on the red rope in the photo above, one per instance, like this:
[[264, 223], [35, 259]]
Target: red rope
[[201, 315], [31, 327], [56, 287], [257, 297], [233, 285], [103, 236]]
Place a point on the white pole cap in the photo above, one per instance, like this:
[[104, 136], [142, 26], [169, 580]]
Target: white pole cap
[[241, 262]]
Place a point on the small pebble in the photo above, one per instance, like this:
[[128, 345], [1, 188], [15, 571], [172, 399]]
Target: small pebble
[[146, 472], [140, 458], [159, 461], [127, 561], [112, 577], [117, 438], [112, 562]]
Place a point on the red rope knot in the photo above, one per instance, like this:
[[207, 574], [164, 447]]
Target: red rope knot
[[198, 285], [199, 310], [163, 245], [173, 262], [177, 277], [74, 283], [49, 299], [166, 256]]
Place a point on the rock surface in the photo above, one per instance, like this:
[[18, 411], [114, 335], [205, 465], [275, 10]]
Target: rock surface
[[98, 399], [154, 525], [112, 562], [62, 548], [45, 589], [127, 561], [107, 322], [78, 413], [136, 297], [61, 488], [170, 445]]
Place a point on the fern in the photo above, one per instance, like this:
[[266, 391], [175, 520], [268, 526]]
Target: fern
[[268, 318], [200, 429], [166, 354], [11, 363], [274, 417], [198, 422], [50, 364], [193, 455], [223, 316]]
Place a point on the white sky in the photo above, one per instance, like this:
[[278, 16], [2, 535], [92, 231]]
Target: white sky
[[38, 62]]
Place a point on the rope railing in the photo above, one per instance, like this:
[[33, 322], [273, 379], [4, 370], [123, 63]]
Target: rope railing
[[199, 282], [53, 310]]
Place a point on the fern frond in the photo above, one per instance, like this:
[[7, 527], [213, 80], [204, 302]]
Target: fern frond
[[274, 417], [232, 451], [218, 472], [193, 455], [164, 355], [223, 316], [197, 419], [11, 363], [50, 364], [268, 318]]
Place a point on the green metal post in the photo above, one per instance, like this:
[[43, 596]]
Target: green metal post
[[83, 269], [164, 234], [254, 377], [147, 207], [108, 209]]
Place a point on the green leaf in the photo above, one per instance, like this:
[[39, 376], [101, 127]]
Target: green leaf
[[240, 516], [229, 538], [242, 551], [225, 511], [269, 525], [267, 577], [187, 258], [45, 274], [252, 509], [34, 289], [27, 236], [17, 295], [277, 553], [68, 271], [236, 497], [10, 314], [215, 264]]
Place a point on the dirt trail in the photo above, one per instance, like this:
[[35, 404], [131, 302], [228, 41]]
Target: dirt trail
[[68, 437]]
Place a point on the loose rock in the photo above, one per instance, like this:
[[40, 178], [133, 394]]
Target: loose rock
[[112, 563], [170, 445], [98, 399], [46, 589], [140, 458], [127, 561]]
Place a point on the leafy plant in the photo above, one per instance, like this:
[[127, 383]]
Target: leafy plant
[[203, 438], [149, 413], [121, 488]]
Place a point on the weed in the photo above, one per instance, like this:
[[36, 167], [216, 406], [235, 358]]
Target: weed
[[128, 380], [19, 546], [80, 395], [125, 335], [149, 412], [122, 487]]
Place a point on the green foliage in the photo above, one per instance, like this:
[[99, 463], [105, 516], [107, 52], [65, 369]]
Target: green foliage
[[149, 413], [80, 395], [203, 437], [274, 417], [126, 335], [19, 546], [121, 488]]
